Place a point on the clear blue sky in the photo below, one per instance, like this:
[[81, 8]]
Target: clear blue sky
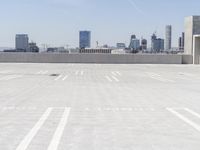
[[57, 22]]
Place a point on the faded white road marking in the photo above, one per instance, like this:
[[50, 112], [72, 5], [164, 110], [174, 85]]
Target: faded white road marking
[[185, 119], [42, 72], [186, 74], [26, 141], [10, 77], [158, 77], [58, 77], [118, 73], [108, 78], [192, 112], [59, 131], [114, 73], [13, 77], [65, 78], [115, 78], [82, 72]]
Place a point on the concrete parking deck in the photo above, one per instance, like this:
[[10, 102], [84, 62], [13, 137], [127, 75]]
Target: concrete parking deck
[[99, 107]]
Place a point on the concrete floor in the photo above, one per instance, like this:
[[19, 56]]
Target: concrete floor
[[99, 107]]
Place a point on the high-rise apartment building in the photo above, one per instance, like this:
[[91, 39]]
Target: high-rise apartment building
[[168, 37], [157, 44], [21, 42], [84, 39], [144, 44], [134, 43], [181, 42]]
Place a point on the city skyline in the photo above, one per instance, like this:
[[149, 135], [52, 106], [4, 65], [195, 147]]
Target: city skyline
[[58, 22]]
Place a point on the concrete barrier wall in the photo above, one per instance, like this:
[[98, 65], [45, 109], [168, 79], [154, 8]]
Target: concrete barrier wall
[[92, 58], [187, 59]]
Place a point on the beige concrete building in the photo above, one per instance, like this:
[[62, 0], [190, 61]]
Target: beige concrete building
[[192, 27], [192, 40]]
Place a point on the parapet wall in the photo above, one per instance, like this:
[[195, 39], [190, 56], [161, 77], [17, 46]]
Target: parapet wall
[[94, 58]]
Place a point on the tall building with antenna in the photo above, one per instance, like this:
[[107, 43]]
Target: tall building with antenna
[[134, 43]]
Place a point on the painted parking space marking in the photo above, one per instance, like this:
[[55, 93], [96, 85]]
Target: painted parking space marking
[[61, 78], [26, 141], [57, 78], [65, 78], [10, 77], [59, 131], [108, 78], [42, 72], [185, 119], [116, 73], [115, 78], [79, 72], [54, 143], [192, 112], [158, 77]]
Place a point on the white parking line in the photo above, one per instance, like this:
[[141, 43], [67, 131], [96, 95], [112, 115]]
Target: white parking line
[[10, 77], [114, 73], [185, 119], [186, 74], [65, 78], [118, 73], [59, 131], [13, 77], [42, 72], [26, 141], [58, 77], [108, 78], [158, 77], [115, 78], [192, 112]]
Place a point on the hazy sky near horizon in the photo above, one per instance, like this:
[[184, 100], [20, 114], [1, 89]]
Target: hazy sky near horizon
[[57, 22]]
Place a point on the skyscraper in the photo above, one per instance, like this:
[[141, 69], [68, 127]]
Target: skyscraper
[[21, 42], [181, 42], [157, 44], [134, 43], [84, 39], [168, 37], [144, 44]]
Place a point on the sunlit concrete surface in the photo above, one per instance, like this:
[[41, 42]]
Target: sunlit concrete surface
[[99, 107]]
